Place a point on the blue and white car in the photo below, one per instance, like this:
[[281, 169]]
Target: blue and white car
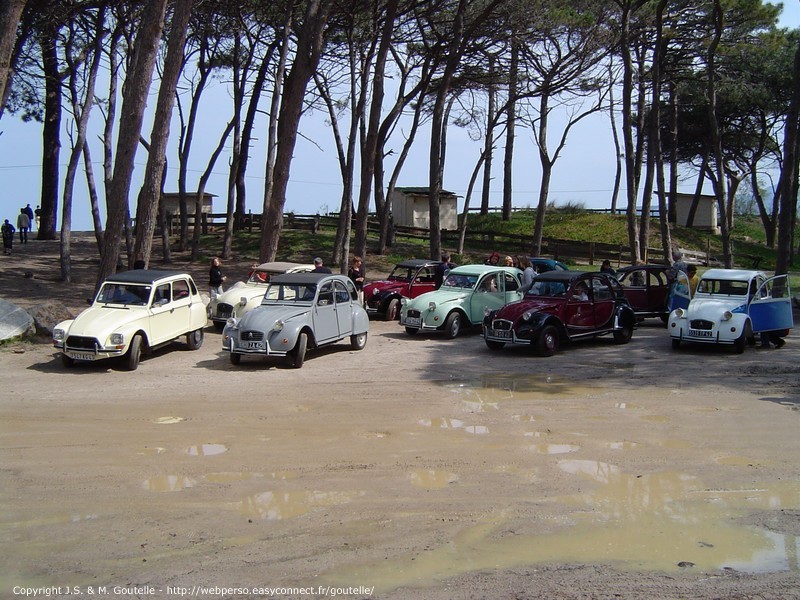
[[730, 306]]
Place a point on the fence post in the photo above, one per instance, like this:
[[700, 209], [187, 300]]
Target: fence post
[[591, 253]]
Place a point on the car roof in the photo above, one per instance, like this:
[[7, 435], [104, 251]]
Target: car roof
[[149, 276], [305, 278], [550, 262], [481, 269], [280, 266], [642, 267], [418, 262], [564, 275], [731, 274]]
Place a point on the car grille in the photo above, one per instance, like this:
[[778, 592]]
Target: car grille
[[501, 324], [701, 324], [83, 343], [413, 313], [252, 336], [224, 311]]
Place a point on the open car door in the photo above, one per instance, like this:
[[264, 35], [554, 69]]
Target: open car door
[[771, 307], [681, 293]]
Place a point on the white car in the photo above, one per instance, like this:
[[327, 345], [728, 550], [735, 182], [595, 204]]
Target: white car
[[244, 296], [134, 312], [730, 306]]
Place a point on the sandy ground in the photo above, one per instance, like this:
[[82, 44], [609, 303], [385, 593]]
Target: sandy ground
[[417, 468]]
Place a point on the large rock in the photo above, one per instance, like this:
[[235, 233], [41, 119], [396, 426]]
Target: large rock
[[47, 315], [14, 321]]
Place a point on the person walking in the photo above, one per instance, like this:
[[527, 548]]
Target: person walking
[[23, 224], [215, 278], [8, 237], [357, 274], [29, 211]]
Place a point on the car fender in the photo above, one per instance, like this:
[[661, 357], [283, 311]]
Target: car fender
[[541, 320], [625, 317], [360, 322]]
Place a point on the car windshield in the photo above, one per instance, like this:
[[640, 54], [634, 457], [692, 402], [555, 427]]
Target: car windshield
[[723, 287], [548, 288], [259, 277], [401, 274], [289, 293], [457, 280], [127, 294]]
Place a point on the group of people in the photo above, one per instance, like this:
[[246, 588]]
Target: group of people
[[25, 221]]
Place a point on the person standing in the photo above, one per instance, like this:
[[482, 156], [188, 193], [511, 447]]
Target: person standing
[[29, 211], [357, 274], [24, 224], [528, 273], [37, 216], [319, 266], [215, 278], [607, 268], [440, 271], [8, 237]]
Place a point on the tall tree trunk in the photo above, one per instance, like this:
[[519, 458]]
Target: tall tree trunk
[[627, 134], [488, 146], [147, 211], [511, 122], [547, 172], [137, 86], [309, 46], [51, 135], [617, 148]]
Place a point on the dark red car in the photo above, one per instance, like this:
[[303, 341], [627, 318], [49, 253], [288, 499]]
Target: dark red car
[[562, 306], [647, 289], [408, 279]]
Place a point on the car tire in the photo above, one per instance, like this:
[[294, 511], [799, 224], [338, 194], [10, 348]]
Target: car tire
[[676, 343], [194, 339], [299, 352], [412, 330], [547, 343], [623, 335], [452, 326], [67, 362], [358, 341], [492, 345], [134, 354], [235, 358], [393, 310], [741, 342]]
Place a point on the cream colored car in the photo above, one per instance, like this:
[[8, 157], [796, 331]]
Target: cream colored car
[[245, 296], [134, 313]]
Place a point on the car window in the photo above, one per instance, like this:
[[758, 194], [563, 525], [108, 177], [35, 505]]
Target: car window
[[601, 290], [488, 284], [162, 295], [548, 288], [325, 294], [401, 274], [460, 281], [723, 287], [511, 282], [634, 279], [289, 293], [351, 289], [128, 294], [424, 275], [342, 296], [180, 289], [580, 290]]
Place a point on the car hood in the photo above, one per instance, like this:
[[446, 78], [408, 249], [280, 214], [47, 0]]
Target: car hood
[[101, 321], [248, 290], [440, 296], [711, 308], [515, 310], [263, 316]]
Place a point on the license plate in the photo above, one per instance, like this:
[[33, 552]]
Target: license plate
[[82, 355], [701, 333], [413, 321], [254, 345], [501, 333]]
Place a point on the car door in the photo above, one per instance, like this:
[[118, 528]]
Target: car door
[[771, 306], [602, 297], [635, 285], [423, 281], [680, 293], [326, 324], [162, 310], [579, 312], [489, 292], [344, 309], [511, 288]]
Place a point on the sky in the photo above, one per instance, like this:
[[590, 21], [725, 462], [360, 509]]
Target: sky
[[584, 173]]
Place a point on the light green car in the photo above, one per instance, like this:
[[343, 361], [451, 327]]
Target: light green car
[[462, 299]]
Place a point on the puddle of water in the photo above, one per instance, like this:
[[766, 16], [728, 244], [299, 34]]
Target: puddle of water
[[278, 505], [432, 479], [151, 451], [628, 406], [675, 444], [621, 445], [477, 429], [207, 450], [168, 420], [523, 418], [657, 418], [479, 406], [168, 483], [442, 423], [555, 448], [649, 522]]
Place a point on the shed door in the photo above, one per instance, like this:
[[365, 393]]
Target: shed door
[[771, 306]]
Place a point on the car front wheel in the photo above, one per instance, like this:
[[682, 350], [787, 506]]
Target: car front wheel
[[358, 341], [452, 327], [623, 335], [412, 330], [547, 344], [134, 354], [393, 310], [194, 339], [299, 352], [741, 341]]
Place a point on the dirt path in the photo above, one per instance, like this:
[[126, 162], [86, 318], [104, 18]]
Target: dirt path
[[416, 468]]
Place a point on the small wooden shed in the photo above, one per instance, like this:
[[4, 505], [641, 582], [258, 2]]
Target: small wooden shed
[[705, 217], [410, 208], [170, 201]]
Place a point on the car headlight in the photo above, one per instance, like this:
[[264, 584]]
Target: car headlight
[[117, 339], [679, 313], [231, 322], [487, 311], [374, 291], [58, 335], [431, 305], [526, 316], [403, 301], [727, 315], [242, 301], [278, 325]]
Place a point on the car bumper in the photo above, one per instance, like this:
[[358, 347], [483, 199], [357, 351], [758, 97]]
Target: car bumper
[[90, 355], [505, 336], [420, 323], [258, 348], [710, 336]]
